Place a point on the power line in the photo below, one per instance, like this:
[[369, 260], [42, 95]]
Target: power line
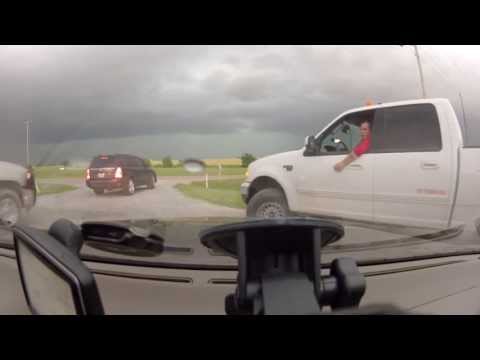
[[452, 65], [436, 66], [451, 62]]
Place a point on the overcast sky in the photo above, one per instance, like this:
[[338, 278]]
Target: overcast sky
[[206, 101]]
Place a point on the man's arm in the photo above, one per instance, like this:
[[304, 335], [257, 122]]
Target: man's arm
[[345, 162], [358, 151]]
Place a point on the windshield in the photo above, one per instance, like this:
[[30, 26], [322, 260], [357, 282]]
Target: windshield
[[105, 131]]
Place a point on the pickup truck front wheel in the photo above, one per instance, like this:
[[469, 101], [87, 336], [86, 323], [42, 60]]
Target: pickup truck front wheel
[[10, 207], [268, 203]]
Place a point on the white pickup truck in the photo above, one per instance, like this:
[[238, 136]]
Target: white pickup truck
[[18, 192], [417, 172]]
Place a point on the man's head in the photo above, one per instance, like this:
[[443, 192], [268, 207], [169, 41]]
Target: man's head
[[365, 129]]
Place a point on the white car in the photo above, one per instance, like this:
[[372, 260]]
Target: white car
[[18, 192], [418, 171]]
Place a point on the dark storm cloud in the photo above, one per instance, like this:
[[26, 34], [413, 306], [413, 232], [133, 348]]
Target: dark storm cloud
[[84, 92]]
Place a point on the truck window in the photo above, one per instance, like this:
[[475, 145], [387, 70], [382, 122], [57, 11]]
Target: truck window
[[344, 135], [410, 128]]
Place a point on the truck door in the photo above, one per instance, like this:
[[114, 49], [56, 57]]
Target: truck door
[[323, 191], [412, 167]]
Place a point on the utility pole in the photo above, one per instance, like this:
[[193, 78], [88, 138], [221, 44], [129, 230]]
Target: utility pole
[[420, 70], [27, 146]]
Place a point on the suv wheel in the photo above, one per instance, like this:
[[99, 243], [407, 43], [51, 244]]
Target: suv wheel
[[10, 207], [130, 188], [99, 191], [151, 182], [268, 203]]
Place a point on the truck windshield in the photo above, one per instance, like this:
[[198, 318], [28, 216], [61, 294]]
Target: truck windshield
[[244, 111]]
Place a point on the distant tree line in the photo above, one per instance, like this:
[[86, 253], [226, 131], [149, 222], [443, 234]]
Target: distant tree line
[[166, 162], [247, 159]]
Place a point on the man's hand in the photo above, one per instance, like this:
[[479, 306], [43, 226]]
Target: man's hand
[[338, 167]]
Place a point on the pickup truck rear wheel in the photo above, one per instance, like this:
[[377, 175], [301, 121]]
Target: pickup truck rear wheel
[[268, 203], [10, 207]]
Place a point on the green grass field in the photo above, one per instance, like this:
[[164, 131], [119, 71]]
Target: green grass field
[[220, 192], [213, 171], [46, 189], [52, 172]]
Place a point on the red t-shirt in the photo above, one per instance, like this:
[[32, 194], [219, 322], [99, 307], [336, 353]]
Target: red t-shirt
[[362, 147]]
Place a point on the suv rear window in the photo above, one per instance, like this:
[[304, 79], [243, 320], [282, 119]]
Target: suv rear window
[[104, 162]]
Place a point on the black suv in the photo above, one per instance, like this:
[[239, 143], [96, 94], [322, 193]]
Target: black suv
[[119, 172]]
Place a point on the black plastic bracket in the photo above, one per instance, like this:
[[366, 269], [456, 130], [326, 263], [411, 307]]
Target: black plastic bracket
[[279, 266]]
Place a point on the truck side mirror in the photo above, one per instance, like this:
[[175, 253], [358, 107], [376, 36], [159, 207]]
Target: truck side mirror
[[309, 141], [54, 279], [309, 145]]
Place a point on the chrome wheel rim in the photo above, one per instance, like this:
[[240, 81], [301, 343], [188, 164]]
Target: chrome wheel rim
[[131, 187], [271, 210], [9, 211]]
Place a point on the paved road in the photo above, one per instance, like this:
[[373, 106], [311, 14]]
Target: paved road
[[162, 202]]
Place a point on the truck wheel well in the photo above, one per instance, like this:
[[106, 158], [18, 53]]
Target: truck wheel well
[[12, 185], [264, 182]]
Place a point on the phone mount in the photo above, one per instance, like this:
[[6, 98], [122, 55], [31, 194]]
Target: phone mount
[[279, 267]]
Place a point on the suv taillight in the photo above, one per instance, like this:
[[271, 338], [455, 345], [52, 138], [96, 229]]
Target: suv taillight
[[88, 174], [118, 173]]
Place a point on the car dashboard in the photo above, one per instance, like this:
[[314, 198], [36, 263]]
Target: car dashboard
[[442, 286]]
